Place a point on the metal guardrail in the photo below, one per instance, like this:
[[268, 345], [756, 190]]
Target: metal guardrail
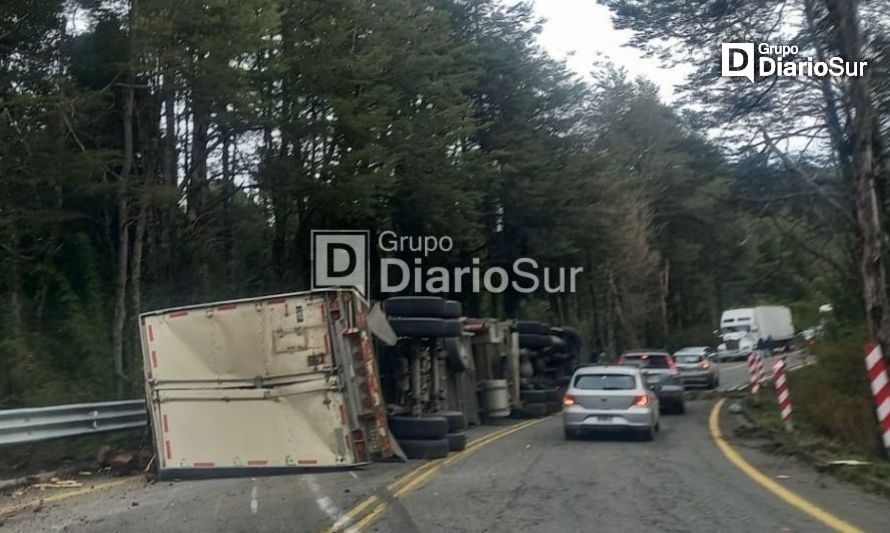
[[41, 423]]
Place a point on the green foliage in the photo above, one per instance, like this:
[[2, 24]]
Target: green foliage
[[256, 121]]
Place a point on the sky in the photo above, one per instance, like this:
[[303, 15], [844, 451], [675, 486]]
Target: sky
[[581, 32]]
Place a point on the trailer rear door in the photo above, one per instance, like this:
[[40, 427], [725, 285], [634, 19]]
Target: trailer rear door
[[249, 383]]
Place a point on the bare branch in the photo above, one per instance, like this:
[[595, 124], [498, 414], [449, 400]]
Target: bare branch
[[809, 180]]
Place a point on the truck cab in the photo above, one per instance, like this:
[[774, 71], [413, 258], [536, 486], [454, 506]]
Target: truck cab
[[744, 330]]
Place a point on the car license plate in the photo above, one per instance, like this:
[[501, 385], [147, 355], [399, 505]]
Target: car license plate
[[603, 418]]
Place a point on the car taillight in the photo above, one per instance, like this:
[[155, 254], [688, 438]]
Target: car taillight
[[706, 365], [673, 366], [641, 400], [621, 360], [568, 400]]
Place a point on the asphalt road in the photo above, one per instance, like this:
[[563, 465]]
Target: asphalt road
[[535, 480], [530, 479]]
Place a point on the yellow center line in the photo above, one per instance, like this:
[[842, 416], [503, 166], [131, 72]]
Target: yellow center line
[[764, 481], [414, 479]]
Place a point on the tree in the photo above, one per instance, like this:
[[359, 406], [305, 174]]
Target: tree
[[773, 112]]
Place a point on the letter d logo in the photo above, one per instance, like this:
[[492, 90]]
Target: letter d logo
[[737, 60], [340, 259]]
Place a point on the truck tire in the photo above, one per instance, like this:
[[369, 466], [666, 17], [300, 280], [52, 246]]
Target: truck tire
[[425, 449], [456, 420], [534, 340], [531, 327], [418, 327], [457, 356], [453, 328], [457, 441], [534, 396], [421, 306], [410, 427], [453, 309], [557, 343], [572, 337], [533, 410]]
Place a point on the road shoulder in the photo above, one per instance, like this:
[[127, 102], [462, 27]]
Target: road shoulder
[[819, 491]]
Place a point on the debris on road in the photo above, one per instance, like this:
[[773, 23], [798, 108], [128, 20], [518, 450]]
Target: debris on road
[[56, 483], [848, 462]]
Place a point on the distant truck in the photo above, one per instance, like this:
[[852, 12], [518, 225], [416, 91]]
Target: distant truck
[[745, 330]]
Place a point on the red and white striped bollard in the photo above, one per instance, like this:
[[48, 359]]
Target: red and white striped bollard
[[876, 366], [783, 395], [755, 372]]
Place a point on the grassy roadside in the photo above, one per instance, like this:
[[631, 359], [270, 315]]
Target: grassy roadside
[[828, 426]]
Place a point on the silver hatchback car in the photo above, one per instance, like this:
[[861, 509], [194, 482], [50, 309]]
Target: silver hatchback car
[[609, 398]]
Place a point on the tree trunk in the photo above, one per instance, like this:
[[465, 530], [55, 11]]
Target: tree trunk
[[868, 215], [664, 285], [228, 192], [123, 244]]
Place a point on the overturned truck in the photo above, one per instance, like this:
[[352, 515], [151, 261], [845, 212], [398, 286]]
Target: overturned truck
[[322, 379]]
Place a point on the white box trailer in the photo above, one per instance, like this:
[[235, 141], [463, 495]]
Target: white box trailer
[[742, 330], [278, 382]]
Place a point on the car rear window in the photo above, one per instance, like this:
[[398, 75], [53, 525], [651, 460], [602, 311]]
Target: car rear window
[[647, 361], [687, 358], [605, 382]]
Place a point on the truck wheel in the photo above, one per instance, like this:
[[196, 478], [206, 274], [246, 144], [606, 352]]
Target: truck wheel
[[456, 420], [534, 396], [409, 427], [457, 356], [555, 394], [418, 327], [457, 441], [531, 327], [425, 449], [534, 340], [573, 338], [557, 343], [422, 306], [453, 328], [453, 309], [534, 410]]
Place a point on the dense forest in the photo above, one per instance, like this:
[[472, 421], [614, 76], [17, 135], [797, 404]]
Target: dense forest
[[161, 152]]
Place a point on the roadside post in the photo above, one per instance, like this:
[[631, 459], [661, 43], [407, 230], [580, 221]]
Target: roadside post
[[876, 366], [783, 395], [755, 372]]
